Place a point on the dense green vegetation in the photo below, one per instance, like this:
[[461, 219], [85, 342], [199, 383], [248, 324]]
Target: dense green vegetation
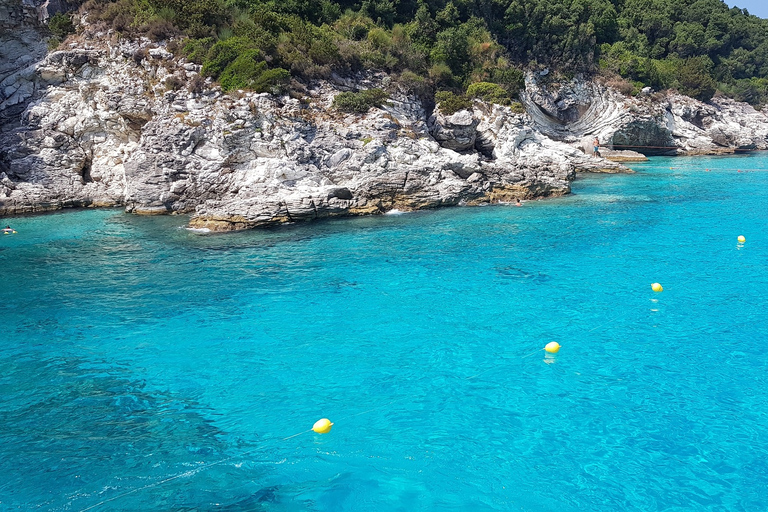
[[359, 102], [472, 48], [695, 46]]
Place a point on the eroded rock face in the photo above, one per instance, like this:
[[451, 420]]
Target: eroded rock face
[[73, 141], [353, 165], [457, 131], [721, 126], [646, 135], [577, 111], [22, 45]]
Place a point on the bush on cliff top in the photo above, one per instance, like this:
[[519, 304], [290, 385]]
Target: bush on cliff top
[[451, 103], [751, 90], [492, 93], [61, 25], [359, 102]]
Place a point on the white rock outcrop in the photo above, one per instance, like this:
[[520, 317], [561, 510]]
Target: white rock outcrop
[[670, 123], [21, 47]]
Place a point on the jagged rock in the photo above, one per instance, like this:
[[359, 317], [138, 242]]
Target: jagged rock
[[644, 135], [160, 54], [578, 111], [457, 131], [622, 156], [22, 45]]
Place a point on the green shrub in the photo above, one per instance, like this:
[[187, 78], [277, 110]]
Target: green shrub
[[413, 82], [321, 44], [441, 74], [750, 90], [359, 102], [307, 50], [189, 15], [61, 25], [354, 26], [665, 72], [249, 71], [451, 103], [197, 49], [380, 39], [273, 81], [457, 43], [223, 53], [372, 59], [513, 80], [486, 91], [695, 78], [243, 71]]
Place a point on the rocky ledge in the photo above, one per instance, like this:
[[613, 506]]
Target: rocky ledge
[[651, 123], [121, 123]]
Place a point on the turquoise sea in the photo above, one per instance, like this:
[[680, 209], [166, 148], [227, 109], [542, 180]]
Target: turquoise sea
[[147, 367]]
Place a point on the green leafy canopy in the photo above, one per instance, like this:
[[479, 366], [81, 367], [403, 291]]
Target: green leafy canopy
[[696, 46]]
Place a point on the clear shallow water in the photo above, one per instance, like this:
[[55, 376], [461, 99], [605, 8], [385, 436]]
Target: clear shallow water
[[145, 367]]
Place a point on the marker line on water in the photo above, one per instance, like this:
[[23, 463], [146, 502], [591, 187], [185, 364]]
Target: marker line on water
[[261, 446], [192, 472]]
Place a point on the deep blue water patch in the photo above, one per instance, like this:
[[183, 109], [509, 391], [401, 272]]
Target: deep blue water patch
[[147, 367]]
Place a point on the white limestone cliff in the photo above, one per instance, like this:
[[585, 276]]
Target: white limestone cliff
[[668, 123]]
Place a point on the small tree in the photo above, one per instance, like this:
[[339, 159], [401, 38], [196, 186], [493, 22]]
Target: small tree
[[61, 25], [451, 103], [695, 78]]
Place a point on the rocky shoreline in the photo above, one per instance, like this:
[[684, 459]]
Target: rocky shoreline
[[104, 122]]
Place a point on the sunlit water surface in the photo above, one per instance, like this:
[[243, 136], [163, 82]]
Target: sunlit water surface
[[147, 367]]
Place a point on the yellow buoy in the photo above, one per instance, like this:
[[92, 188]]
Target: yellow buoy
[[552, 347], [742, 239], [322, 426], [657, 287]]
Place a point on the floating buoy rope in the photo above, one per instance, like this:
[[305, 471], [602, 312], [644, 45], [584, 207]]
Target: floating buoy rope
[[322, 426]]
